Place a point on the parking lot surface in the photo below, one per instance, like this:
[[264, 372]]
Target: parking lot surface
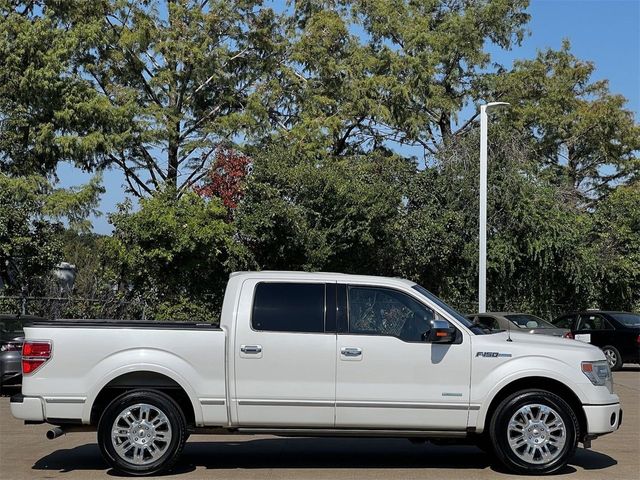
[[25, 453]]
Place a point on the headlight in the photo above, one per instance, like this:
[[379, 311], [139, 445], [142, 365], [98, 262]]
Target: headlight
[[598, 373]]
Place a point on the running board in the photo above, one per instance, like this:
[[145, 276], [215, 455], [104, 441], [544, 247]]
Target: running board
[[351, 432]]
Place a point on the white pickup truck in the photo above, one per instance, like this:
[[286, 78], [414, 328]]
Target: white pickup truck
[[306, 354]]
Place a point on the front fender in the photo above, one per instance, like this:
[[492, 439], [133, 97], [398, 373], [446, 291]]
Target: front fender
[[142, 360], [484, 391]]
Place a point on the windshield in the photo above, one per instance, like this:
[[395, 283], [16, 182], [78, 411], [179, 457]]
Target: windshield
[[628, 319], [458, 316], [529, 321]]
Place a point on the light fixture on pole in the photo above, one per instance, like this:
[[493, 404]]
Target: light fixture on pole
[[482, 271]]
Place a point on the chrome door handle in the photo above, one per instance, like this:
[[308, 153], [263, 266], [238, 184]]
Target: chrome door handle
[[251, 348], [351, 351]]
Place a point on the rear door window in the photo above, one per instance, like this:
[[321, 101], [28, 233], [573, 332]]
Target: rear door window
[[289, 307], [594, 322]]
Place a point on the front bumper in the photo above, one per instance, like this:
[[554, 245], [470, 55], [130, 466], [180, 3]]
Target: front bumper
[[27, 408], [603, 419]]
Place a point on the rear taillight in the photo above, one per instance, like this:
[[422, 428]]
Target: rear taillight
[[34, 355], [638, 340], [569, 335]]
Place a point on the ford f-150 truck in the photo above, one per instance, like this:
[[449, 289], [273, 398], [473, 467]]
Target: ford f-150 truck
[[306, 354]]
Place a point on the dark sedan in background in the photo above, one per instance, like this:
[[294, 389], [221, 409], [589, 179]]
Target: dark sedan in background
[[11, 338], [512, 320], [616, 333]]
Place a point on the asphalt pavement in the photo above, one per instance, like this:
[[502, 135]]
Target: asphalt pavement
[[25, 453]]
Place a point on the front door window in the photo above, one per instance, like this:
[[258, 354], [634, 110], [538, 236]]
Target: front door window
[[380, 311]]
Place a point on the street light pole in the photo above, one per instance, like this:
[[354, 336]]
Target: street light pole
[[482, 271]]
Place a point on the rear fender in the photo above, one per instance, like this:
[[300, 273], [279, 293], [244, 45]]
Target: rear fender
[[142, 360]]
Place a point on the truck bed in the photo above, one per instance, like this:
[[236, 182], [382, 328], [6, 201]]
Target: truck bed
[[89, 356], [110, 323]]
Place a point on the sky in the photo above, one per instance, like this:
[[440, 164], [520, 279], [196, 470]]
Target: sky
[[606, 32]]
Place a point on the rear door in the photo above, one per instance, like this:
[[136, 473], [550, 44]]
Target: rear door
[[387, 375], [593, 328], [285, 354]]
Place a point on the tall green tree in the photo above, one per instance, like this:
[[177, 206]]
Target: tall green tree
[[150, 87], [616, 240], [580, 129], [337, 215], [175, 254], [539, 256], [47, 113], [362, 75], [32, 213]]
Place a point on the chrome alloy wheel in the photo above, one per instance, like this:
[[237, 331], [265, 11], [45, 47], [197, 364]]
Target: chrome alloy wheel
[[611, 357], [536, 434], [141, 434]]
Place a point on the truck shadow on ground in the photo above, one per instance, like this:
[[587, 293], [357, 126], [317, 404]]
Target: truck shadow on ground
[[313, 453]]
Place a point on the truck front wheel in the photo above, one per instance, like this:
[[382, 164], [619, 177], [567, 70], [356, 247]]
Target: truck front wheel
[[142, 432], [534, 432]]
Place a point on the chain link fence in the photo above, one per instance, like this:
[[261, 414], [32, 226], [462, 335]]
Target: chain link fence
[[73, 307]]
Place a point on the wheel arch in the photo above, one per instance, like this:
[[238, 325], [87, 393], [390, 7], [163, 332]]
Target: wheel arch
[[138, 378], [536, 382]]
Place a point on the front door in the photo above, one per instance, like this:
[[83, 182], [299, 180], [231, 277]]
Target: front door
[[387, 375], [593, 328]]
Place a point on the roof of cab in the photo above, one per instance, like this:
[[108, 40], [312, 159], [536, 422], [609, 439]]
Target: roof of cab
[[324, 276]]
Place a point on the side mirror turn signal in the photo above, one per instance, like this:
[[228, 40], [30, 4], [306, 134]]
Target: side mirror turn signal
[[440, 332]]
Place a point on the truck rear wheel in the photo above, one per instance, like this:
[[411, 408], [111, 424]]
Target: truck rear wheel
[[142, 432], [534, 432]]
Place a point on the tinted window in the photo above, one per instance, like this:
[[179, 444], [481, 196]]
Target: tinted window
[[565, 322], [593, 322], [381, 311], [288, 307], [628, 319], [528, 321]]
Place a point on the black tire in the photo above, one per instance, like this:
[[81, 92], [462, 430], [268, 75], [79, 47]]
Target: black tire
[[499, 432], [483, 442], [173, 448], [612, 353]]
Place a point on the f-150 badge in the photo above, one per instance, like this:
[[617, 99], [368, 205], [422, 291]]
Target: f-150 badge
[[492, 354]]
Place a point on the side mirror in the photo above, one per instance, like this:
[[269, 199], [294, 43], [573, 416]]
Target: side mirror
[[440, 332]]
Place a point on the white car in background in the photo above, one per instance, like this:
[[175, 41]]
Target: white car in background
[[523, 322]]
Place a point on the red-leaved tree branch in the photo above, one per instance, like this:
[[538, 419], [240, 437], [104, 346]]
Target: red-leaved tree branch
[[226, 177]]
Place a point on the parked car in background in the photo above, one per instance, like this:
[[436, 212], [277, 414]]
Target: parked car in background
[[495, 321], [616, 333], [11, 339]]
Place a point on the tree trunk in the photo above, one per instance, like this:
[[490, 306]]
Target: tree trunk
[[172, 160], [445, 128]]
